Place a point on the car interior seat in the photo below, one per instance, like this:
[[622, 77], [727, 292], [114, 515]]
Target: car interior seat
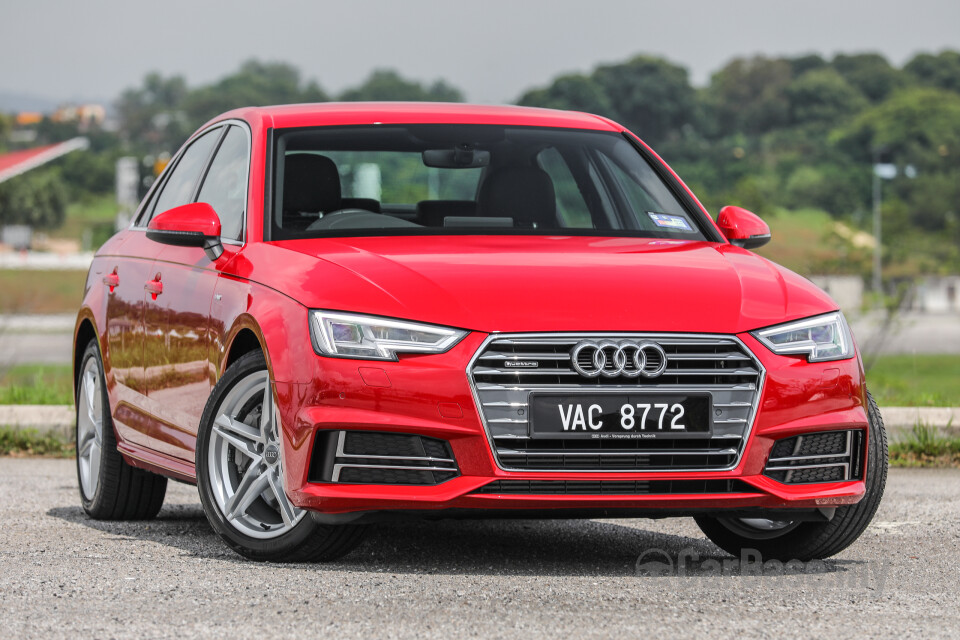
[[311, 188], [524, 193]]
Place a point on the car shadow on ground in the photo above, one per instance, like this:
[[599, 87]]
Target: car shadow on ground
[[472, 547]]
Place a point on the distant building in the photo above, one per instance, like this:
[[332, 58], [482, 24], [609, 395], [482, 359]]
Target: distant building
[[28, 118], [847, 291], [84, 115], [938, 294]]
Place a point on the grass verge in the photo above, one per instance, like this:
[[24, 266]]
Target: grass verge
[[915, 381], [94, 215], [41, 291], [37, 384], [924, 446], [28, 442]]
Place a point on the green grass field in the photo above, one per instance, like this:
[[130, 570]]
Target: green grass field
[[93, 214], [803, 240], [916, 381], [30, 291], [37, 384]]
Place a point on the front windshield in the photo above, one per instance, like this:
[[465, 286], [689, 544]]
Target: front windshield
[[475, 179]]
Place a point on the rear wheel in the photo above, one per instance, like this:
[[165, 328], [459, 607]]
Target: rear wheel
[[110, 489], [240, 475], [788, 540]]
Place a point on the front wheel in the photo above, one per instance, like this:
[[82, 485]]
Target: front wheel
[[794, 540], [240, 475]]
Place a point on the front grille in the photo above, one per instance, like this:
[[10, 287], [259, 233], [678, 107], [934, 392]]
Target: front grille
[[365, 457], [509, 368], [832, 456], [615, 487]]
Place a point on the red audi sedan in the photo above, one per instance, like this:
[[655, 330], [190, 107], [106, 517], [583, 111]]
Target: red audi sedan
[[329, 315]]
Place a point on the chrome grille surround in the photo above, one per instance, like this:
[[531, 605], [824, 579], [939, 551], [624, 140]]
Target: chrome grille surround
[[501, 392]]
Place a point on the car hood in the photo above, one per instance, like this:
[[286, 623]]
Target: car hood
[[542, 283]]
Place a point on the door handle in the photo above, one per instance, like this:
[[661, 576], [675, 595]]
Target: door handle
[[154, 287], [112, 280]]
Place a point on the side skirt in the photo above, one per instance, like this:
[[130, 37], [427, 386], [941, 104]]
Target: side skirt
[[158, 463]]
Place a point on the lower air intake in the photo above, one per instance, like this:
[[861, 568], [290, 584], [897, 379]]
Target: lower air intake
[[832, 456], [365, 457]]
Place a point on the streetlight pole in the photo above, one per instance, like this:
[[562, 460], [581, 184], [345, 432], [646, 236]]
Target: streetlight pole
[[877, 227]]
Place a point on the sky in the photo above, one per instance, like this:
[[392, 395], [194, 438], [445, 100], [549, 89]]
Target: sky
[[492, 50]]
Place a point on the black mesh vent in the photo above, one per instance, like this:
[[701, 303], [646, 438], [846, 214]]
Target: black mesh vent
[[615, 487], [385, 444], [355, 475], [814, 444], [832, 456], [807, 476], [783, 448], [366, 457]]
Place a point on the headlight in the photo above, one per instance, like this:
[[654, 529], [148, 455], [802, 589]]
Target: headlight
[[347, 335], [820, 338]]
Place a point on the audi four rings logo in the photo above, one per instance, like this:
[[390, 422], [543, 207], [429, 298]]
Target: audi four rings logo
[[611, 358]]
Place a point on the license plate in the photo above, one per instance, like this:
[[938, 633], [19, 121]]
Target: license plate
[[620, 416]]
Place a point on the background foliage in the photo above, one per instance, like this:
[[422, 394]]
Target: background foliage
[[773, 134]]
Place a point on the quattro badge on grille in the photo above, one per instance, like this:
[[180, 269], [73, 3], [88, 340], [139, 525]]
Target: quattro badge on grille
[[521, 364]]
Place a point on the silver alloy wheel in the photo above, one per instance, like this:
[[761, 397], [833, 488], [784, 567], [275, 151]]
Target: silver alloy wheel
[[245, 461], [759, 528], [89, 428]]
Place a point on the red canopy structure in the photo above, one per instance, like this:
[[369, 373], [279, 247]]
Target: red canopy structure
[[17, 162]]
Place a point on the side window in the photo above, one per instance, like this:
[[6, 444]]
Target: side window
[[571, 207], [225, 187], [178, 189]]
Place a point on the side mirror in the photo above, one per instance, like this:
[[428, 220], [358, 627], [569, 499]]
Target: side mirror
[[743, 228], [189, 225]]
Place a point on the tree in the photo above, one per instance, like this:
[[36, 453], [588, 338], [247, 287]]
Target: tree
[[6, 123], [88, 172], [255, 83], [749, 94], [870, 73], [37, 199], [942, 70], [152, 115], [648, 95], [386, 84], [920, 126], [823, 96], [801, 64], [574, 92], [163, 112]]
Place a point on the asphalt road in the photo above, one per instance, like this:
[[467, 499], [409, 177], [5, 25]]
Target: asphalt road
[[65, 576]]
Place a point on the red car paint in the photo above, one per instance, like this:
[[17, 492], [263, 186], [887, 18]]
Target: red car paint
[[167, 319]]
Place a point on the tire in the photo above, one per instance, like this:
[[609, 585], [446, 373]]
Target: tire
[[810, 540], [240, 472], [110, 489]]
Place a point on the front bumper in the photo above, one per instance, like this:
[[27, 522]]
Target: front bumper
[[431, 396]]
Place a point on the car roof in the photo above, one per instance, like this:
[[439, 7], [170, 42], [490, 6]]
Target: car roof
[[357, 113]]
